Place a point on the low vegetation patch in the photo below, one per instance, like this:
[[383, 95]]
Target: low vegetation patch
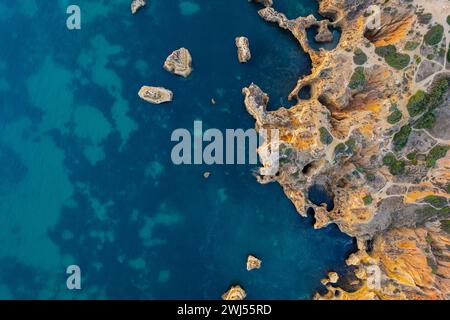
[[417, 103], [434, 35], [359, 57], [358, 78], [345, 148], [436, 201], [401, 137], [445, 226], [368, 199], [426, 121], [394, 117], [396, 167], [435, 154], [411, 45], [325, 136], [412, 156], [393, 58]]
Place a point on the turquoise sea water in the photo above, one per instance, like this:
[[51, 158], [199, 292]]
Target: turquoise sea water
[[85, 170]]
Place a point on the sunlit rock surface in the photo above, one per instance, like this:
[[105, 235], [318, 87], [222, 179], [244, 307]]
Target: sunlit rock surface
[[179, 62], [136, 5], [235, 293], [253, 263], [243, 46], [155, 95]]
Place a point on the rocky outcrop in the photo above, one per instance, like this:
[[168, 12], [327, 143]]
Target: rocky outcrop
[[155, 95], [179, 62], [253, 263], [234, 293], [383, 159], [136, 5], [243, 46]]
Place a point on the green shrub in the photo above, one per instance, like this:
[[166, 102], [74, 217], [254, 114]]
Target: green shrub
[[383, 51], [435, 154], [448, 19], [325, 136], [437, 92], [434, 35], [368, 199], [397, 60], [358, 78], [392, 57], [445, 226], [394, 117], [436, 201], [426, 121], [396, 167], [401, 137], [448, 56], [412, 156], [359, 57], [340, 148], [348, 147], [411, 45], [389, 159], [417, 103]]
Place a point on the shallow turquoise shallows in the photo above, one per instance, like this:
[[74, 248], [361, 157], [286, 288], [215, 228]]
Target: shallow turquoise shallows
[[85, 171]]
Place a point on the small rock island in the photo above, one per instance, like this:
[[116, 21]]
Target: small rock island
[[253, 263], [234, 293], [243, 46], [155, 95], [136, 5], [179, 62]]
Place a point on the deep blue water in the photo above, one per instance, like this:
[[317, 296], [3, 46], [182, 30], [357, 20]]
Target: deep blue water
[[85, 170]]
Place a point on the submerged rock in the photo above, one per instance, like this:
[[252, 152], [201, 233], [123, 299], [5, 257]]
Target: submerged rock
[[235, 293], [179, 62], [253, 263], [136, 5], [243, 46], [155, 95], [266, 3]]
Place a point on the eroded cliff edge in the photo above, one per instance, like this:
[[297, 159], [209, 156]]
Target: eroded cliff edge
[[375, 133]]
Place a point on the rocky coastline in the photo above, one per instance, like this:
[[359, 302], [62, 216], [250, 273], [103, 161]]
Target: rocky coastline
[[375, 135]]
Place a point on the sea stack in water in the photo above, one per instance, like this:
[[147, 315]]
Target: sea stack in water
[[243, 46], [179, 62], [136, 5], [333, 277], [253, 263], [235, 293], [155, 95]]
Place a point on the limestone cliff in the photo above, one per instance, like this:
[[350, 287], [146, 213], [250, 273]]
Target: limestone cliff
[[375, 134]]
